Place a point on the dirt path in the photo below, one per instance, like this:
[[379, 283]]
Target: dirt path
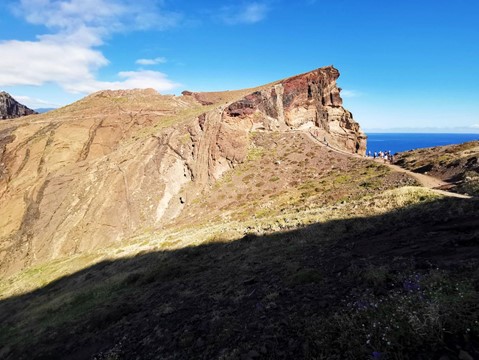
[[426, 181]]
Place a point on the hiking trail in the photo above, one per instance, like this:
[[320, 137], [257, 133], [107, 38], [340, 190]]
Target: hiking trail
[[426, 181]]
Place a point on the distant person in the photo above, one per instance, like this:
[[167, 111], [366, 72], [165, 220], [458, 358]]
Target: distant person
[[375, 155]]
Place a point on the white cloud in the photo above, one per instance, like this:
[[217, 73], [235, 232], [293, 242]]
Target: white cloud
[[245, 14], [129, 80], [350, 93], [475, 126], [102, 16], [155, 61], [34, 103], [69, 54], [45, 61]]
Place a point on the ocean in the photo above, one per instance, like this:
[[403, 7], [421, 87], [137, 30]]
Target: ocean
[[398, 142]]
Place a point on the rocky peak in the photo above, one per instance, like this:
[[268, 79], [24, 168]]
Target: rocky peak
[[10, 108], [309, 101]]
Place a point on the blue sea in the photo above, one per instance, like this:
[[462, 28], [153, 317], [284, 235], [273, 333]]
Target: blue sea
[[397, 142]]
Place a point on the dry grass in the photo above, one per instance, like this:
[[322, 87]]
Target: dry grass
[[320, 283]]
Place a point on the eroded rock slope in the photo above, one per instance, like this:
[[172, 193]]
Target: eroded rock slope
[[104, 168], [10, 108]]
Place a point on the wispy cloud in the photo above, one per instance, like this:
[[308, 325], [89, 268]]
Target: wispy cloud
[[128, 80], [475, 126], [69, 55], [155, 61], [34, 103], [99, 18], [249, 13], [350, 93]]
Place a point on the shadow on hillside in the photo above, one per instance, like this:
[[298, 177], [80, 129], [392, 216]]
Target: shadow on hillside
[[274, 296]]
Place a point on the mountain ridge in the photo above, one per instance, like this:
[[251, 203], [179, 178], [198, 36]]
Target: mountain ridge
[[230, 225], [11, 109], [99, 170]]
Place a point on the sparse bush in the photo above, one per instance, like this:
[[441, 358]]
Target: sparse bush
[[470, 183], [376, 276], [418, 315], [305, 276]]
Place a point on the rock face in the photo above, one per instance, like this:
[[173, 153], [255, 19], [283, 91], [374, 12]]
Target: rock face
[[10, 108], [307, 101], [102, 169]]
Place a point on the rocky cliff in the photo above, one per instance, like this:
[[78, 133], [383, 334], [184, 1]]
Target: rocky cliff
[[106, 167], [10, 108]]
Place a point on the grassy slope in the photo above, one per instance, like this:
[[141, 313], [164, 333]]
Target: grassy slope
[[287, 181], [384, 271], [456, 163], [403, 283], [298, 252], [308, 185]]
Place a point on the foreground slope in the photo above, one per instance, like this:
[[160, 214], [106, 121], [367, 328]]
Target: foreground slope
[[297, 250], [392, 275], [88, 175]]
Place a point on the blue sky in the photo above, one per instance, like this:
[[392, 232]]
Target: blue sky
[[404, 64]]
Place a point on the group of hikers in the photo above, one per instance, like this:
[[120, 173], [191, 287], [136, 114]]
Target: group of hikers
[[385, 155]]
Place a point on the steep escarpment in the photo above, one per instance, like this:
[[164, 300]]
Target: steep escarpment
[[117, 162], [10, 108], [307, 101]]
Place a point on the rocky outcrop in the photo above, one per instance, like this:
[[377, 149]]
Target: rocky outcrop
[[102, 169], [308, 101], [10, 108]]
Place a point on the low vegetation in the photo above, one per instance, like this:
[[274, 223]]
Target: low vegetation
[[336, 258], [290, 181], [458, 164], [387, 276]]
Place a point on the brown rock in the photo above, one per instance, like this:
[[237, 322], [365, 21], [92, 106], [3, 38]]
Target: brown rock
[[97, 171], [11, 109]]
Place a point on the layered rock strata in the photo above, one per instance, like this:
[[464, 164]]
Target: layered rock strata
[[100, 170]]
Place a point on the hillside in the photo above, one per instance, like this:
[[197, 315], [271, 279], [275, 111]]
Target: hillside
[[115, 163], [390, 274], [457, 164], [229, 225]]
